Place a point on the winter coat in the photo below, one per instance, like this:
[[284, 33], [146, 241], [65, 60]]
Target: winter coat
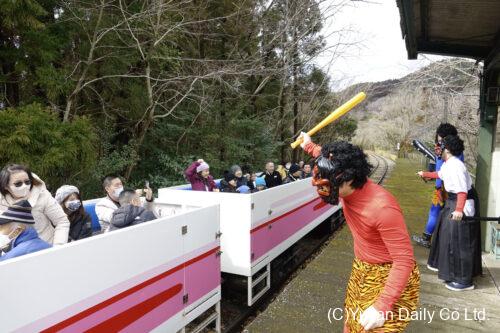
[[51, 223], [105, 208], [242, 181], [305, 175], [199, 183], [130, 215], [80, 225], [290, 179], [226, 187], [27, 242], [273, 179]]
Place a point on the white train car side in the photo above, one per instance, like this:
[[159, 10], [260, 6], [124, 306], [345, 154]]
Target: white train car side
[[258, 227], [158, 276]]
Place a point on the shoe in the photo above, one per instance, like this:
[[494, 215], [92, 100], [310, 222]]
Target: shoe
[[455, 286], [434, 269], [424, 240]]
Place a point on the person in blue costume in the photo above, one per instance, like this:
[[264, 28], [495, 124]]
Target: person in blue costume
[[438, 200]]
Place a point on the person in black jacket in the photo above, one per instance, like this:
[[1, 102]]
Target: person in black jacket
[[130, 212], [229, 183], [272, 177], [68, 196], [293, 174]]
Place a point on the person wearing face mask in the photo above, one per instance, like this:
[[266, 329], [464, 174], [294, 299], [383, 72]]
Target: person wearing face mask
[[385, 281], [105, 207], [17, 236], [456, 244], [68, 197], [18, 183], [130, 212]]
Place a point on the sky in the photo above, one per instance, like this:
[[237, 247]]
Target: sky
[[378, 52]]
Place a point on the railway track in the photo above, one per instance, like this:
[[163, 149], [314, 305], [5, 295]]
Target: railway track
[[235, 313]]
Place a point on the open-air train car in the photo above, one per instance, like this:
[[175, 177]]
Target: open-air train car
[[158, 276], [258, 227]]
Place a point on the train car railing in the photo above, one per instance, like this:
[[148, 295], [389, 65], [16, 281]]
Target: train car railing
[[258, 227], [156, 276]]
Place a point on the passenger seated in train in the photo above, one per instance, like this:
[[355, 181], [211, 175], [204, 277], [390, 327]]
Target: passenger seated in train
[[260, 184], [68, 196], [307, 171], [240, 179], [198, 174], [18, 183], [131, 211], [282, 171], [105, 207], [251, 181], [301, 165], [229, 183], [17, 235], [293, 174], [272, 177]]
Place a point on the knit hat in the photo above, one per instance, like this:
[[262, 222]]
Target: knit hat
[[229, 176], [18, 212], [65, 191], [259, 181], [294, 168], [243, 189], [202, 167]]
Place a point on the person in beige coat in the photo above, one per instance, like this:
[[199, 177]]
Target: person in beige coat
[[18, 183]]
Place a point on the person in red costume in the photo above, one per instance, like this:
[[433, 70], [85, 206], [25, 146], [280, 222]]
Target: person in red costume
[[385, 281], [456, 243]]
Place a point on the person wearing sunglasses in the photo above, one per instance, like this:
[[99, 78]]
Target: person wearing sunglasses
[[385, 279], [17, 183]]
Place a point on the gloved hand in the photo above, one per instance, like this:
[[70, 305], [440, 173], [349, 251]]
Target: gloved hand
[[371, 318], [305, 139]]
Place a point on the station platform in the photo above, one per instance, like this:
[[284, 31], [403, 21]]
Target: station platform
[[303, 305]]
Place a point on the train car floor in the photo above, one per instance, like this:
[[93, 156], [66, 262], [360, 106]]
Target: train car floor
[[319, 289]]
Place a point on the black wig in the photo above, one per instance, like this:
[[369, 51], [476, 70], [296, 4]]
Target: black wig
[[454, 144], [445, 129], [350, 162]]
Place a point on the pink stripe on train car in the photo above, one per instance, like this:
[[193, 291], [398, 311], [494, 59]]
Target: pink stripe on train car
[[200, 278], [284, 226], [121, 290]]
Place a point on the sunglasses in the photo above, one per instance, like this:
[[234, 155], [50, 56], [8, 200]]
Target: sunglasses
[[20, 183]]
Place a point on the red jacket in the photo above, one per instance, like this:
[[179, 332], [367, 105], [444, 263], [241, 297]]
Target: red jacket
[[199, 183]]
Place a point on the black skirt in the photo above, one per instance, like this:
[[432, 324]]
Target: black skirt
[[456, 245]]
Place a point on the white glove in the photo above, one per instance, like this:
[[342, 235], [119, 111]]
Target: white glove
[[371, 318], [305, 139]]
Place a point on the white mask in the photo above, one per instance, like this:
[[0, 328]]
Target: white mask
[[5, 240], [21, 191], [117, 191]]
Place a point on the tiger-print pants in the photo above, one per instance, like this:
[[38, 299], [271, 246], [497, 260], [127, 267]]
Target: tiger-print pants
[[365, 284]]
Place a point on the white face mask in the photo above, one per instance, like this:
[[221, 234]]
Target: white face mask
[[5, 240], [21, 191], [117, 191]]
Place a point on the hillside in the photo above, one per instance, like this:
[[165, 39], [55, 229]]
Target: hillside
[[398, 111]]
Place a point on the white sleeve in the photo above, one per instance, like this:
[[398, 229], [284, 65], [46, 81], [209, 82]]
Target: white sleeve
[[104, 214], [457, 177]]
